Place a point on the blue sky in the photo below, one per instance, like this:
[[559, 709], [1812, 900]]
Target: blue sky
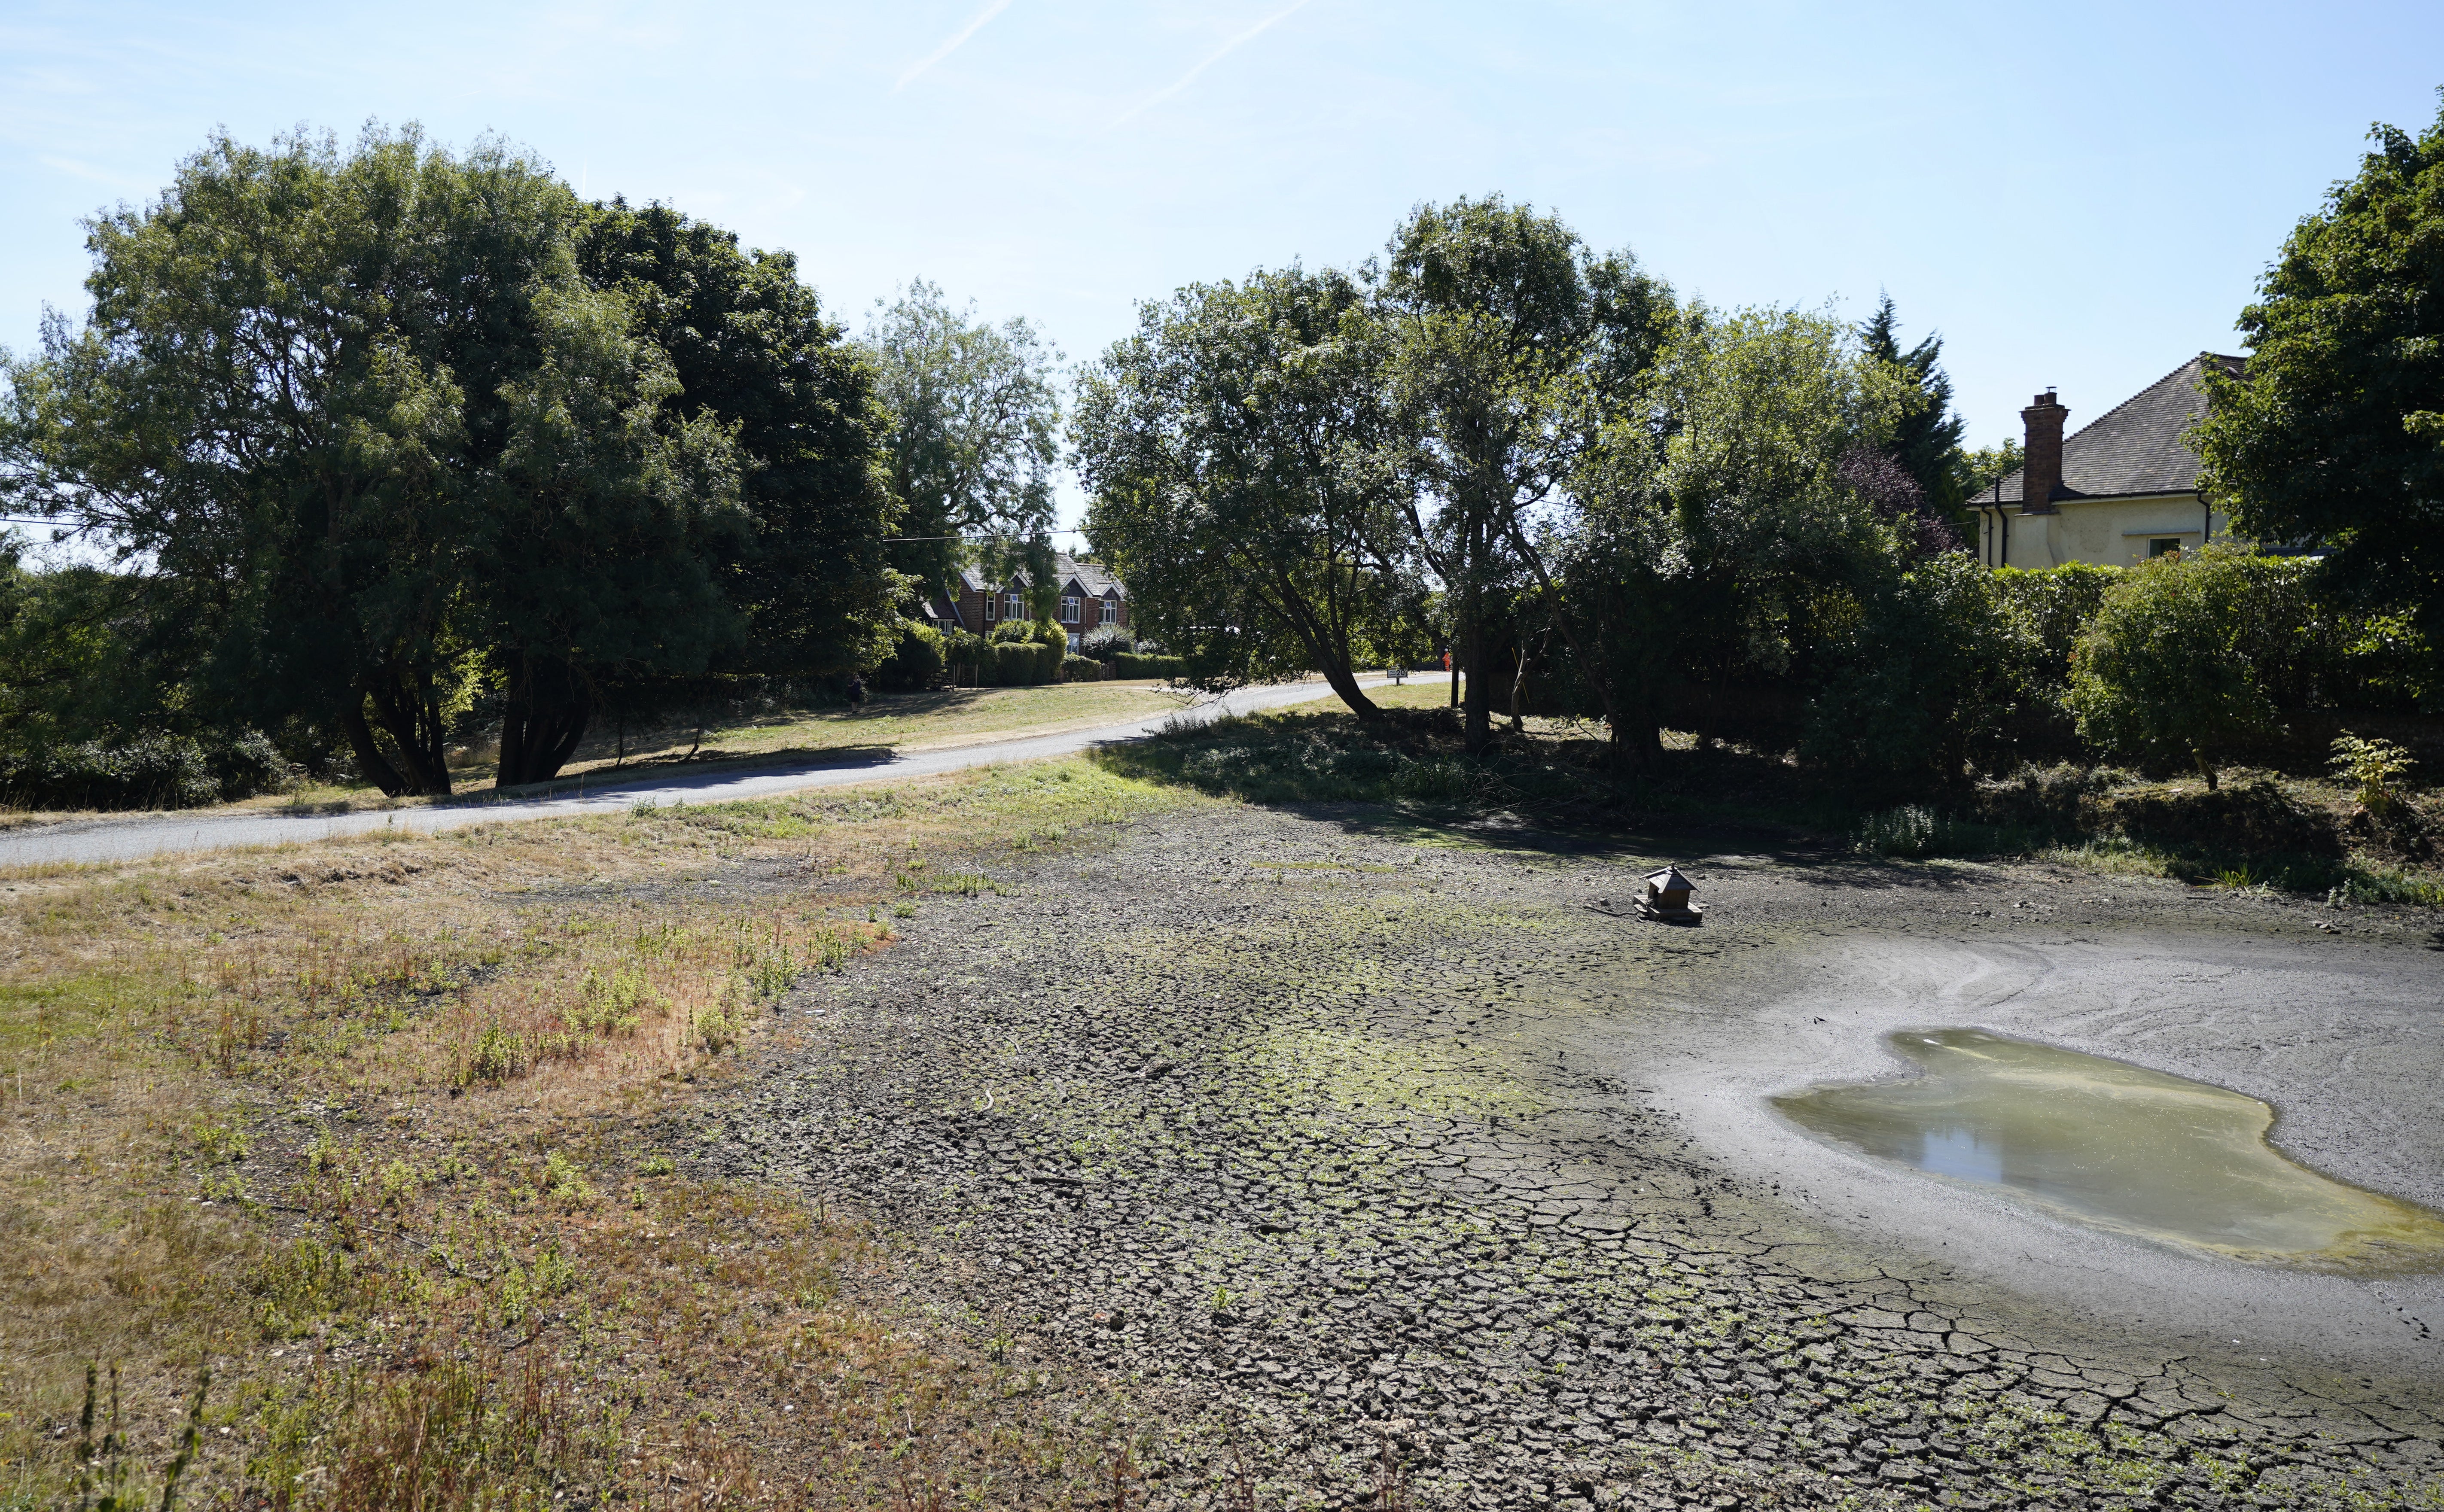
[[2079, 195]]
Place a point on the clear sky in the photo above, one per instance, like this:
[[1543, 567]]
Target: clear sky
[[2073, 194]]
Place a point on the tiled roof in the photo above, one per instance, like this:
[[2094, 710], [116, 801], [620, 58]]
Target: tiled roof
[[1092, 579], [2135, 446]]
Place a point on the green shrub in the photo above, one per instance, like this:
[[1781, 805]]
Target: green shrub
[[1128, 664], [2166, 674], [917, 663], [1106, 643], [1021, 664], [1924, 678], [2049, 609], [2372, 767], [161, 772], [1076, 669]]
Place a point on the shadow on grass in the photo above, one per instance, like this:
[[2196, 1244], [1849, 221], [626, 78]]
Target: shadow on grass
[[1408, 777], [708, 769]]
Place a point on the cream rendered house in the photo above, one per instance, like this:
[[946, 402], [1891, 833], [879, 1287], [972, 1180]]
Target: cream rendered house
[[2118, 491]]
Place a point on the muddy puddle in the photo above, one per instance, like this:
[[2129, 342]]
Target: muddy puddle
[[2117, 1147]]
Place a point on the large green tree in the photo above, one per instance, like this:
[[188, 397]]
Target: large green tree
[[1720, 525], [970, 434], [291, 358], [750, 346], [610, 517], [1509, 342], [362, 411], [2336, 436], [1237, 452]]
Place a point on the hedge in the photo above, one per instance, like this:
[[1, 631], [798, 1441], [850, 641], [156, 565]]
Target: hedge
[[158, 771], [1020, 664], [1076, 668], [1129, 664], [915, 663]]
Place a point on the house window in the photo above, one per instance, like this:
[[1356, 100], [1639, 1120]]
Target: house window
[[1073, 641], [2164, 546], [1111, 611], [1012, 608], [1069, 608], [988, 608]]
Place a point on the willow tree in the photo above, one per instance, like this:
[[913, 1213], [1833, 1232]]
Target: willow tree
[[1238, 452], [364, 414], [1509, 346]]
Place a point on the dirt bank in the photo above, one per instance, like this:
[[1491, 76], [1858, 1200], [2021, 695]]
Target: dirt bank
[[1377, 1156]]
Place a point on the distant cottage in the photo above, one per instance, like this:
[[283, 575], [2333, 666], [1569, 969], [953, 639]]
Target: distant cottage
[[1090, 599], [2118, 491]]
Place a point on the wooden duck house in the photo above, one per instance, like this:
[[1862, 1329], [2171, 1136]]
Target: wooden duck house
[[1666, 897]]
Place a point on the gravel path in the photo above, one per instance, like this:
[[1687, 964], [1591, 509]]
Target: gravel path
[[1372, 1157], [123, 840]]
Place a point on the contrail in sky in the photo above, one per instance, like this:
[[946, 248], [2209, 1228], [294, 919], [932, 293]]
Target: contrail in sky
[[1213, 58], [975, 23]]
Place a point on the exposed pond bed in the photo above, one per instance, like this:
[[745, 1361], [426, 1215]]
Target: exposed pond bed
[[2117, 1147]]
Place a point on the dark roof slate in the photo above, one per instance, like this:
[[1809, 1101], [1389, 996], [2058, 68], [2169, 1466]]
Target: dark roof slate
[[2135, 448], [1093, 580]]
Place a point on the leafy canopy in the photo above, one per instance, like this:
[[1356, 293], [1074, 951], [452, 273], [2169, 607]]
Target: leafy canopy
[[1509, 344], [970, 434], [2336, 436], [1237, 449]]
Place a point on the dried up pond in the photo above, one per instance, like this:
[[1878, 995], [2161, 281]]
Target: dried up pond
[[2117, 1147]]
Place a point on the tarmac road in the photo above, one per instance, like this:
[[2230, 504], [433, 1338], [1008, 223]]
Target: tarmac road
[[123, 840]]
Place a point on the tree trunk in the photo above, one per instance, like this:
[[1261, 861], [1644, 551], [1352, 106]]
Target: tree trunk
[[1327, 648], [1344, 682], [1477, 720], [1519, 680], [1636, 743], [370, 760], [542, 720], [409, 715]]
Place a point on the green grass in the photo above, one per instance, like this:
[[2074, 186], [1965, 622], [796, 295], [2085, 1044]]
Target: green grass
[[886, 722], [509, 1286], [1411, 760]]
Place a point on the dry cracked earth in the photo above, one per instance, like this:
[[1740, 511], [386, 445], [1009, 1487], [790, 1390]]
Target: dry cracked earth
[[1347, 1148]]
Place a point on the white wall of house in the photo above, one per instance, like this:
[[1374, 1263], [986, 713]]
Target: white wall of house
[[2120, 532]]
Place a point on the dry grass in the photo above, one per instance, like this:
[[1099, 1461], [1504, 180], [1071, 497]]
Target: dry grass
[[370, 1128]]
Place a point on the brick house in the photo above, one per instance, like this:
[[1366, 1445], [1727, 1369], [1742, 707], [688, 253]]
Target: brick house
[[2121, 489], [1090, 599]]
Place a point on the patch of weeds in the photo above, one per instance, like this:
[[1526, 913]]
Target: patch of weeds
[[563, 1182], [2366, 881], [218, 1143], [1410, 758]]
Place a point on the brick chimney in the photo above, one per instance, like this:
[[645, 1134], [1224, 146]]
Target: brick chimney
[[2041, 471]]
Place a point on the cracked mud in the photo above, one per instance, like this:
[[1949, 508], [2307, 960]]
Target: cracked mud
[[1379, 1161]]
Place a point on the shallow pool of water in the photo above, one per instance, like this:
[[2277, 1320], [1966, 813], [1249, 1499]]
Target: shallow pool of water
[[2117, 1147]]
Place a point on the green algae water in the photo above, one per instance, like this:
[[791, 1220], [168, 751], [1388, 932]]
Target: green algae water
[[2115, 1147]]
